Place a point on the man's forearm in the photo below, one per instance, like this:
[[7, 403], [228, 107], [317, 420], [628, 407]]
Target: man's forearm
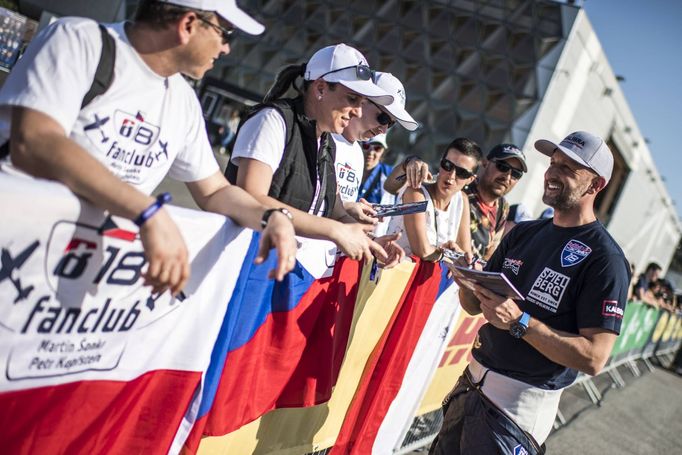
[[569, 349], [46, 152], [305, 224]]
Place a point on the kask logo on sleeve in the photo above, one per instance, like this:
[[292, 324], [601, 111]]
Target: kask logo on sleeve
[[610, 308]]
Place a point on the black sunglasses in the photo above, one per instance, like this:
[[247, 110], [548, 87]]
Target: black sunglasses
[[460, 172], [383, 118], [504, 168], [371, 146], [362, 72], [226, 34]]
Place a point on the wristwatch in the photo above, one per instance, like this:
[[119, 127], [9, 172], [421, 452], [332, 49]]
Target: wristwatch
[[518, 328], [268, 212]]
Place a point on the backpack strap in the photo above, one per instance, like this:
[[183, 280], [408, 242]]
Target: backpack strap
[[104, 76]]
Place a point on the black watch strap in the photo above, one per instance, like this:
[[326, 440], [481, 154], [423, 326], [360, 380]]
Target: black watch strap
[[268, 212]]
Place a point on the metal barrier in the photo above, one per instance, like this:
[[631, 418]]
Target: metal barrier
[[423, 430], [425, 427]]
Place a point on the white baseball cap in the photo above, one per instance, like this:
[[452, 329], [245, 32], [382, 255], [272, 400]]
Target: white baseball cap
[[227, 9], [347, 66], [392, 85], [379, 139], [584, 148]]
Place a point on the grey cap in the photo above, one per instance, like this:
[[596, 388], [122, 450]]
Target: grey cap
[[584, 148]]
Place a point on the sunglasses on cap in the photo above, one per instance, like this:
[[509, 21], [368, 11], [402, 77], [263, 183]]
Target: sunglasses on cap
[[460, 172], [225, 33], [362, 72], [504, 168]]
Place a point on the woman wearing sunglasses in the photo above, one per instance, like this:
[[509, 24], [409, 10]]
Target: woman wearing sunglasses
[[283, 153], [445, 224]]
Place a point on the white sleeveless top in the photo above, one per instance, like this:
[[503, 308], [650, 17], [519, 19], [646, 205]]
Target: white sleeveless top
[[441, 225]]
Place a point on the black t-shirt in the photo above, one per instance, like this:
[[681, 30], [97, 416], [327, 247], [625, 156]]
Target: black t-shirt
[[572, 278]]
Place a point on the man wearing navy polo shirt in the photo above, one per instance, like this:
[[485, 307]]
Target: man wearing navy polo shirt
[[574, 278]]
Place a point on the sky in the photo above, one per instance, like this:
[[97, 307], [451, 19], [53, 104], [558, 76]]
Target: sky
[[641, 40]]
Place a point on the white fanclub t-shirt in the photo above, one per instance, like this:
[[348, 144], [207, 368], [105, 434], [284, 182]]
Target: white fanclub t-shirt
[[142, 128], [349, 166], [262, 137], [441, 225]]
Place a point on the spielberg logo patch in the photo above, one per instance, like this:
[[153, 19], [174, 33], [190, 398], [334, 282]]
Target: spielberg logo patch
[[548, 289], [611, 309], [574, 252]]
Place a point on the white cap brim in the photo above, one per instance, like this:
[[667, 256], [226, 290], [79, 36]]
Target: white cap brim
[[240, 19], [402, 116], [368, 89]]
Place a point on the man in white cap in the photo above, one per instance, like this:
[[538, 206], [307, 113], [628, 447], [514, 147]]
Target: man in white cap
[[375, 122], [115, 148], [574, 279]]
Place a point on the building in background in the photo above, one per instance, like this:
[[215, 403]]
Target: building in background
[[495, 71]]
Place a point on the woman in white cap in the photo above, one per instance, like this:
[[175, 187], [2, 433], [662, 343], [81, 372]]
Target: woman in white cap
[[284, 153], [445, 224]]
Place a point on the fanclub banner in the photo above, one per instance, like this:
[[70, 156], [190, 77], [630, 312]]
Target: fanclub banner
[[92, 361]]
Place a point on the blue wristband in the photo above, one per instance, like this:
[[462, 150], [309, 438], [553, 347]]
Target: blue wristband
[[147, 213]]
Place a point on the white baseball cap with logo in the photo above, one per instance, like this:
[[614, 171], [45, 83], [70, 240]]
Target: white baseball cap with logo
[[584, 148], [227, 9], [392, 85], [347, 66]]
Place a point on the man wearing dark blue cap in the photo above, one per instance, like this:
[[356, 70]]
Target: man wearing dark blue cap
[[574, 278], [499, 172]]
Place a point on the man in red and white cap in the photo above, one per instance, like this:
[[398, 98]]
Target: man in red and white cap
[[115, 149], [574, 280]]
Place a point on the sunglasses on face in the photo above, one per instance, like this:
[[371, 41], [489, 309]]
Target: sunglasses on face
[[460, 172], [383, 118], [225, 33], [372, 147], [362, 72], [504, 168]]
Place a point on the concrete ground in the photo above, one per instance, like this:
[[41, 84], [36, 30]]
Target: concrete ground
[[644, 417], [181, 196]]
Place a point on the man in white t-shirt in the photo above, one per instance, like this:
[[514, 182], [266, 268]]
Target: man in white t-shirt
[[147, 124]]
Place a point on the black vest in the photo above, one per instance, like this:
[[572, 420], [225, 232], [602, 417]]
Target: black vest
[[295, 179]]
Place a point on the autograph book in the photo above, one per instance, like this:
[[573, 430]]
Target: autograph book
[[493, 281]]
